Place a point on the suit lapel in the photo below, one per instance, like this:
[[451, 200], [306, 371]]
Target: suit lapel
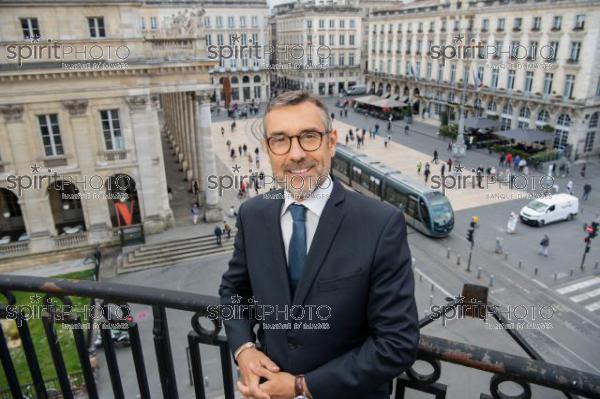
[[329, 223], [277, 261]]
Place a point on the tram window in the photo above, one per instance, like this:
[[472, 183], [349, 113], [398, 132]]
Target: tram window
[[340, 165], [395, 197], [374, 186], [364, 180], [412, 210], [356, 173], [424, 212]]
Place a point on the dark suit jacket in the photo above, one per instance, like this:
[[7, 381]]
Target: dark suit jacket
[[359, 265]]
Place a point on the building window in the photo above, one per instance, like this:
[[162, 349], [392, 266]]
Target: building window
[[230, 22], [351, 59], [552, 52], [341, 62], [579, 22], [342, 24], [542, 119], [331, 23], [309, 23], [143, 23], [494, 82], [569, 85], [254, 38], [331, 40], [510, 82], [352, 23], [153, 23], [517, 22], [452, 73], [50, 135], [219, 21], [524, 114], [96, 25], [321, 40], [244, 39], [220, 39], [31, 28], [485, 25], [561, 133], [491, 108], [242, 21], [351, 40], [111, 129], [254, 21], [593, 120], [574, 51], [206, 21], [501, 23], [589, 141], [557, 23], [321, 23], [506, 119], [528, 81], [440, 73], [548, 82], [537, 23], [532, 52], [257, 93], [428, 71], [342, 40], [208, 40]]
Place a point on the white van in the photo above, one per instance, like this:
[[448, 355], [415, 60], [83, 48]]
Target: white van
[[357, 90], [552, 209]]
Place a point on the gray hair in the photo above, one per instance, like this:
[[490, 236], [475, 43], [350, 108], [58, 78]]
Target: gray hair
[[296, 97]]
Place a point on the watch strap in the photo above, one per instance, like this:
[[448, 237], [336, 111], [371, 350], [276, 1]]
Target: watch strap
[[299, 385]]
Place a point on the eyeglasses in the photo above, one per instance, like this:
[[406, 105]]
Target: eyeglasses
[[309, 141]]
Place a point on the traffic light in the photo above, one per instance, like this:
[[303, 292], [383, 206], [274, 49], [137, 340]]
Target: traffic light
[[594, 231], [470, 234]]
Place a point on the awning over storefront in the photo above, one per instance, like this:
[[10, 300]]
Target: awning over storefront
[[527, 136]]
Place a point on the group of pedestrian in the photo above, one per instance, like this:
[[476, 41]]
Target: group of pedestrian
[[220, 231]]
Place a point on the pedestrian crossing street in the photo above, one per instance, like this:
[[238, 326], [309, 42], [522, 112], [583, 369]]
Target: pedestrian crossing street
[[585, 292]]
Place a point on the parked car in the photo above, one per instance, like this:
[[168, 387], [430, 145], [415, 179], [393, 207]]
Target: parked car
[[550, 209]]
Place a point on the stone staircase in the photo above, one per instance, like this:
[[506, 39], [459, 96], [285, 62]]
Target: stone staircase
[[173, 251]]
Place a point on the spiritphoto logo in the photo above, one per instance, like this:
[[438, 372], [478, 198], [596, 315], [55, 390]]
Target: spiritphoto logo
[[273, 317], [518, 317], [293, 53], [461, 50], [53, 50]]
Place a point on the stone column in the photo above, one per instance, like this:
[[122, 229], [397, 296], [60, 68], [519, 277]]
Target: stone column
[[189, 134], [35, 206], [152, 184], [93, 200], [196, 164], [204, 143]]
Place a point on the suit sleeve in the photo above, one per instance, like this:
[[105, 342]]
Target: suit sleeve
[[393, 321], [236, 281]]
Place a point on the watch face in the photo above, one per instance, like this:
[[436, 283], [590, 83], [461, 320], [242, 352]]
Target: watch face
[[300, 397]]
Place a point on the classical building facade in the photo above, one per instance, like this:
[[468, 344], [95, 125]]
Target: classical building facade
[[86, 94], [228, 26], [320, 47], [538, 65]]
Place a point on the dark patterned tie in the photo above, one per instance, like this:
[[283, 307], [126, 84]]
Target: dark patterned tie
[[297, 250]]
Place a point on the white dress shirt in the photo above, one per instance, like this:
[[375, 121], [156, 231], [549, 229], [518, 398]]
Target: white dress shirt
[[314, 207]]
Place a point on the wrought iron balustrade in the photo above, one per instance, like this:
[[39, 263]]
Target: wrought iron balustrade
[[433, 350]]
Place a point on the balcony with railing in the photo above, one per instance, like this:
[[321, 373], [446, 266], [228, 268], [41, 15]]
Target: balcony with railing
[[153, 342]]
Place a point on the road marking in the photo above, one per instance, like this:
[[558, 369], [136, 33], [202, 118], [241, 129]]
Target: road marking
[[593, 306], [539, 283], [498, 290], [585, 295], [577, 286], [439, 287]]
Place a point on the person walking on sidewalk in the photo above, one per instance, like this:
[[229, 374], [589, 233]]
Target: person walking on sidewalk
[[227, 229], [232, 126], [570, 187], [449, 164], [427, 172], [218, 233], [195, 213], [406, 130], [582, 171], [587, 188], [544, 244], [222, 131], [419, 166], [435, 156]]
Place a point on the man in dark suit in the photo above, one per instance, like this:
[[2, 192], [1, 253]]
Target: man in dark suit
[[329, 271]]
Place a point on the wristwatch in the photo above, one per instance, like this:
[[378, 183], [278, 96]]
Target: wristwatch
[[299, 387]]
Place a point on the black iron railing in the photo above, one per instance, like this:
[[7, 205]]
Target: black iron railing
[[432, 350]]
